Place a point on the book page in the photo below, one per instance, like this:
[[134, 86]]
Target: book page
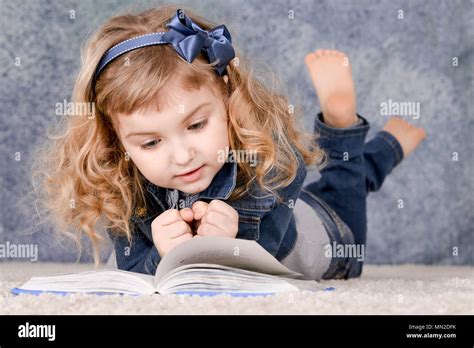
[[218, 278], [101, 280], [231, 252]]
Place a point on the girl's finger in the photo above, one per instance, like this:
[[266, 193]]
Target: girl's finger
[[199, 209], [223, 207], [168, 217], [210, 230], [178, 229], [216, 218], [187, 214]]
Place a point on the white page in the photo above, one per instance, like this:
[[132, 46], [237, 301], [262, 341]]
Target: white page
[[232, 252], [102, 280]]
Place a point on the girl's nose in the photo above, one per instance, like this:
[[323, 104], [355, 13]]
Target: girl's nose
[[182, 154]]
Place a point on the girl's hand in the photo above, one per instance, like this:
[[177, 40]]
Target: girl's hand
[[170, 229], [216, 218]]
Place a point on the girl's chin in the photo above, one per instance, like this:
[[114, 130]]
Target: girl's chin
[[193, 188]]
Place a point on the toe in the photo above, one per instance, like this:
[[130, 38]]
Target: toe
[[319, 52], [421, 133], [310, 57]]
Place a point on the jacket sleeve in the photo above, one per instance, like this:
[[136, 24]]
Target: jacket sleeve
[[279, 222], [139, 256]]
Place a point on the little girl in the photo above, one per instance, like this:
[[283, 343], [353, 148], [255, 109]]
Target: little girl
[[155, 164]]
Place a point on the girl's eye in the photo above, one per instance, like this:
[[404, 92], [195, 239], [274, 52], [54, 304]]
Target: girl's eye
[[198, 125], [150, 144]]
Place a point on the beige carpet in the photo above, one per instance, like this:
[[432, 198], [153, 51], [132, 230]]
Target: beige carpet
[[407, 289]]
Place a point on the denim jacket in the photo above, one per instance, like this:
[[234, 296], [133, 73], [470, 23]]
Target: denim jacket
[[261, 218]]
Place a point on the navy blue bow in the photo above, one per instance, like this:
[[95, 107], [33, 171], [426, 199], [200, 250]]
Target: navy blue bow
[[189, 39]]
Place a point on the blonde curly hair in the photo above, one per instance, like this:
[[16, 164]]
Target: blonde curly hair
[[86, 180]]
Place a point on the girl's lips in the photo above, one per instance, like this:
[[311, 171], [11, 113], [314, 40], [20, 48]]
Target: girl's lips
[[192, 176], [189, 172]]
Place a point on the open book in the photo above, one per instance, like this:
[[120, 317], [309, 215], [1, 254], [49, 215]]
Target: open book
[[205, 266]]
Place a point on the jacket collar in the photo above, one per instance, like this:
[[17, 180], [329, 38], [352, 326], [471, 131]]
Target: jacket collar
[[221, 187]]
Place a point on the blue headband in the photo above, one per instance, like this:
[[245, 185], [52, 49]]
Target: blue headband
[[187, 38]]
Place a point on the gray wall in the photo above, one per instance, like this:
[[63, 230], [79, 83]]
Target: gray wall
[[407, 59]]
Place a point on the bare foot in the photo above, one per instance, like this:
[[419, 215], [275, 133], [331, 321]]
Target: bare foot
[[332, 78], [407, 135]]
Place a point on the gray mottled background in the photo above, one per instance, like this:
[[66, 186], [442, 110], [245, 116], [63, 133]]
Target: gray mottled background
[[407, 59]]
